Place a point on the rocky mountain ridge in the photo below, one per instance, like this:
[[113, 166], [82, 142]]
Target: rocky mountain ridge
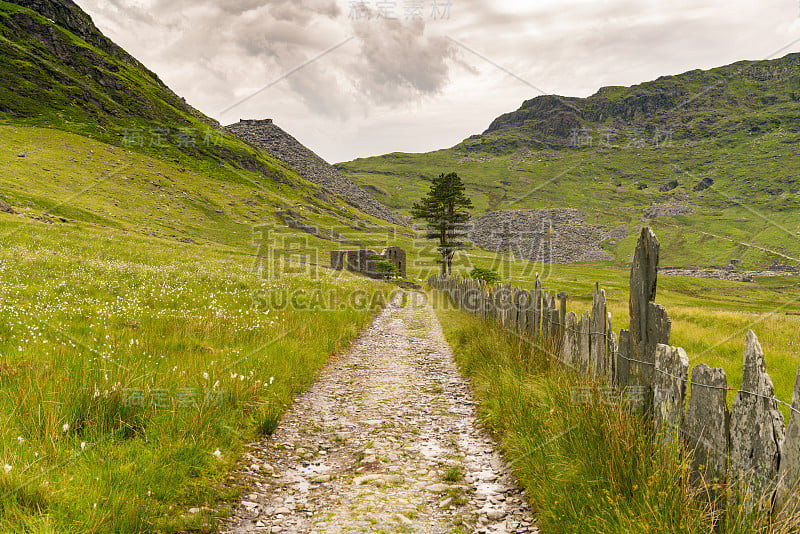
[[688, 106]]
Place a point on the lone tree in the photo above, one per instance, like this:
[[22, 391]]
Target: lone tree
[[443, 210]]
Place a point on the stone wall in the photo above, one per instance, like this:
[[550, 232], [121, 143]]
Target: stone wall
[[366, 261], [748, 445]]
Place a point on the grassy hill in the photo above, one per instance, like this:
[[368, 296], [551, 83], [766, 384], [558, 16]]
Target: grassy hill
[[722, 143], [188, 175]]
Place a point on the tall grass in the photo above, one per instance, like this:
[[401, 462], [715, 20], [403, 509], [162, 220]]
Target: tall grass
[[133, 371], [587, 460]]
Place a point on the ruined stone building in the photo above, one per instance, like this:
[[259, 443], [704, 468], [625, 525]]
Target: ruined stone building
[[366, 261]]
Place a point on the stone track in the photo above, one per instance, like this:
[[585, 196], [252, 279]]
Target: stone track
[[385, 441]]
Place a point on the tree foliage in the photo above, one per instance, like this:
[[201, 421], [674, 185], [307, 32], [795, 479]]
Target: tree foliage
[[385, 266], [444, 210], [490, 276]]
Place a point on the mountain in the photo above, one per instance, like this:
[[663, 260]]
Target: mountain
[[267, 136], [747, 96], [710, 158], [81, 119]]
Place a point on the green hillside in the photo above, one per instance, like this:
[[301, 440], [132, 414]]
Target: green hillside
[[82, 120], [721, 142]]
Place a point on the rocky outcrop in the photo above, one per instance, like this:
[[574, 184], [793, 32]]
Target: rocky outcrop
[[6, 208], [666, 210], [265, 135], [550, 236], [722, 274]]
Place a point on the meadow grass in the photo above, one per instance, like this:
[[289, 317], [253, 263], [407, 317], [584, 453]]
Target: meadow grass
[[587, 461], [133, 370]]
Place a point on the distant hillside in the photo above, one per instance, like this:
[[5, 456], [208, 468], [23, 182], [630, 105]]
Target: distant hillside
[[267, 136], [746, 97], [710, 158], [95, 137]]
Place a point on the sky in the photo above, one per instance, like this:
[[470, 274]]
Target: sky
[[353, 79]]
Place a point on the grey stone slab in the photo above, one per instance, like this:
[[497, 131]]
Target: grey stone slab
[[611, 351], [555, 327], [787, 497], [513, 316], [545, 317], [707, 424], [569, 354], [584, 344], [522, 312], [757, 427], [598, 332], [669, 390], [649, 322], [537, 308], [623, 353], [562, 316]]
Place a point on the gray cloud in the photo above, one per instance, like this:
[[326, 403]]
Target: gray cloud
[[397, 74], [400, 61]]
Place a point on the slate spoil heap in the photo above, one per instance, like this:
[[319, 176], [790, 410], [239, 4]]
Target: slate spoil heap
[[265, 135]]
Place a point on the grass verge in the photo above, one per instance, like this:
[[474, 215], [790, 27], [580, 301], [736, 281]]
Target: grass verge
[[134, 370]]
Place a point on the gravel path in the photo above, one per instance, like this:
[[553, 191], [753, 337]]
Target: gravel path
[[385, 441]]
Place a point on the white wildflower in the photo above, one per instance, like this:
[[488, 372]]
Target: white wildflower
[[8, 468], [65, 428], [217, 453]]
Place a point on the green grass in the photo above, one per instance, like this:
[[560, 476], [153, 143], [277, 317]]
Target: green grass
[[126, 362], [738, 211], [585, 466]]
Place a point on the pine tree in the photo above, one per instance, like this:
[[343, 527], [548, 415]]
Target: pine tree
[[444, 211]]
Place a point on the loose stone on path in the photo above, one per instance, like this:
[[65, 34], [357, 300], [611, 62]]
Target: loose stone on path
[[385, 441]]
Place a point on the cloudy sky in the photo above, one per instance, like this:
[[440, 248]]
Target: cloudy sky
[[352, 79]]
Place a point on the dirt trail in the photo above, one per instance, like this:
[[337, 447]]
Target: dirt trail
[[385, 441]]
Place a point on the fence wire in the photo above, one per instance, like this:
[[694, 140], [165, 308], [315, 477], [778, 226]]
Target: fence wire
[[492, 310]]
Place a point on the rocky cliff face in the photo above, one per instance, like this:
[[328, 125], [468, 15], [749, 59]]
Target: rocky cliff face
[[69, 16], [550, 236], [279, 144], [693, 105]]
